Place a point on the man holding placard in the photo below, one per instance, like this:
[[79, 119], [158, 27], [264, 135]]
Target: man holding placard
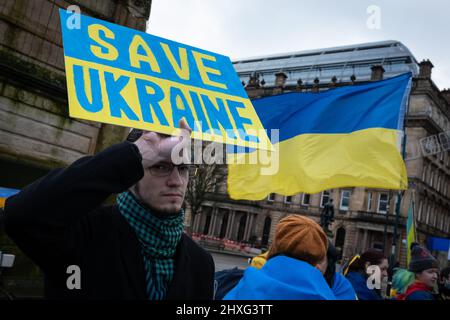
[[133, 250]]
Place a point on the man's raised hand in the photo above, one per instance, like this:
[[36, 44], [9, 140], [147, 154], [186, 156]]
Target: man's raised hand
[[155, 147]]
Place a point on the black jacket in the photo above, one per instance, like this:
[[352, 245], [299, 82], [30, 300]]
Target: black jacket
[[59, 221]]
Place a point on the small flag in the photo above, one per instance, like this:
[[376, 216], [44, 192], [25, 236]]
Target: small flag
[[5, 193], [410, 230]]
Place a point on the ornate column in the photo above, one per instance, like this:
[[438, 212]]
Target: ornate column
[[250, 226], [247, 218], [230, 230], [227, 230]]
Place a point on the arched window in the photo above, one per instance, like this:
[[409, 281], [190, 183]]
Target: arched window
[[419, 214], [223, 228], [208, 220], [241, 229]]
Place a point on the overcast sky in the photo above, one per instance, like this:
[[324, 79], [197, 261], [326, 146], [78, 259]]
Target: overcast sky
[[246, 28]]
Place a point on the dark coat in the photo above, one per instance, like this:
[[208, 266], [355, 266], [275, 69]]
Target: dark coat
[[59, 221]]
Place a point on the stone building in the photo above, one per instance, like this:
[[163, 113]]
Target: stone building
[[36, 133], [364, 217]]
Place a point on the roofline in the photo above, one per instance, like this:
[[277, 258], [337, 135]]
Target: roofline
[[361, 45]]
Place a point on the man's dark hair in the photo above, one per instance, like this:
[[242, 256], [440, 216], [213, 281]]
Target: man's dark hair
[[445, 273], [372, 256]]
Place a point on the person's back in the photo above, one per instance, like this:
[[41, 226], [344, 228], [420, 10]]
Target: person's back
[[282, 278], [359, 283], [133, 250], [295, 265], [342, 288], [226, 280]]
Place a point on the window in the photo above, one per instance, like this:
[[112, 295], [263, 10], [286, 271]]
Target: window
[[345, 200], [325, 198], [306, 198], [436, 180], [383, 201], [419, 214], [431, 177], [424, 173], [288, 199], [428, 213], [215, 186], [271, 197], [435, 217], [378, 246], [369, 201], [424, 212], [446, 187]]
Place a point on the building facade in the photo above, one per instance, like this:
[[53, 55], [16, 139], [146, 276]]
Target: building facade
[[364, 218], [36, 133]]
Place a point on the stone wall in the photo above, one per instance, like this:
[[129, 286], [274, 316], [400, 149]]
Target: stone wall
[[36, 132]]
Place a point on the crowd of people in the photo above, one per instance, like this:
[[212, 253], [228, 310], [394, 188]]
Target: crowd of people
[[136, 248], [297, 267]]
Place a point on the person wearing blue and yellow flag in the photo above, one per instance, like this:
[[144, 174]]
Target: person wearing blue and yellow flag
[[340, 286], [295, 267]]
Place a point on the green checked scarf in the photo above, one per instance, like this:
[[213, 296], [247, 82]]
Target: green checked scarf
[[159, 237]]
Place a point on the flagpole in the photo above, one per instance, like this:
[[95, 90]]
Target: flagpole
[[399, 194], [414, 216]]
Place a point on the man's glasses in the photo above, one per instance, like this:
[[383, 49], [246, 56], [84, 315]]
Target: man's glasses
[[165, 169]]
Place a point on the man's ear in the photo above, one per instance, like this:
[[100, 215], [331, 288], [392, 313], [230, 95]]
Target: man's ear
[[135, 190], [322, 265]]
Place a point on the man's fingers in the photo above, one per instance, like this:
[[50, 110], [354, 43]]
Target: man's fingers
[[182, 124], [151, 136]]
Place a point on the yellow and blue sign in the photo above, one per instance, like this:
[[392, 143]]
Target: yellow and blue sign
[[121, 76]]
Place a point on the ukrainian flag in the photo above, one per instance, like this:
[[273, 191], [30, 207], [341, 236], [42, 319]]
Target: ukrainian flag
[[5, 193], [344, 137], [410, 231]]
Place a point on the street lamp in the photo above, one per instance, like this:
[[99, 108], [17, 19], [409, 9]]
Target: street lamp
[[386, 223]]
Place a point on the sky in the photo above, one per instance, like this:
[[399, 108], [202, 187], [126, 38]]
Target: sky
[[247, 28]]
